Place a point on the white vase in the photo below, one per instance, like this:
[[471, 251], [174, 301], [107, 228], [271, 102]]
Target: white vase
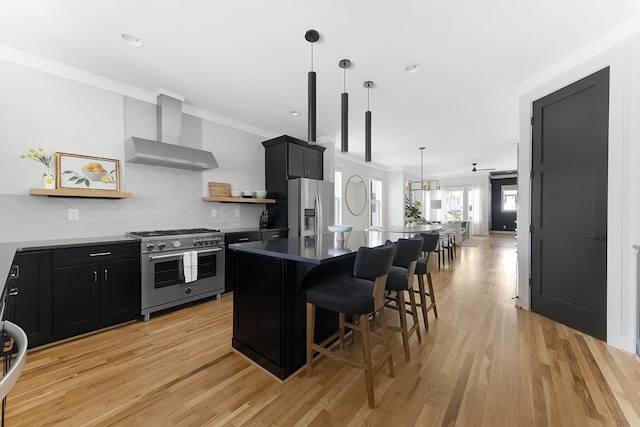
[[48, 179]]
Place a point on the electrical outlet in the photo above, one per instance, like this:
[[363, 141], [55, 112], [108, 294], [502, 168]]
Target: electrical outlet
[[73, 214], [214, 213], [237, 212]]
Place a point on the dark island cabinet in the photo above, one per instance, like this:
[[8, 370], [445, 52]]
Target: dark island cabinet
[[29, 305], [95, 287], [241, 237]]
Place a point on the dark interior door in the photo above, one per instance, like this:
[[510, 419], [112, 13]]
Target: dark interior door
[[569, 204]]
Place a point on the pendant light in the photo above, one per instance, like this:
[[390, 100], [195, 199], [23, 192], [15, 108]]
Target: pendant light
[[312, 36], [367, 125], [344, 140]]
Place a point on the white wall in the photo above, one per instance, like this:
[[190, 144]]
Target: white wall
[[39, 109], [623, 187], [366, 172]]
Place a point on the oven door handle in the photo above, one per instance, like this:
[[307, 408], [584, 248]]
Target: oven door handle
[[153, 258]]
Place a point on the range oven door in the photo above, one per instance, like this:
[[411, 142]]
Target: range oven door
[[163, 280]]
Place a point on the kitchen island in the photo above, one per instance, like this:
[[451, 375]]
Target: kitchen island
[[269, 306]]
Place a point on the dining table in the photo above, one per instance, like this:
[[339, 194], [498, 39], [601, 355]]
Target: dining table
[[407, 230]]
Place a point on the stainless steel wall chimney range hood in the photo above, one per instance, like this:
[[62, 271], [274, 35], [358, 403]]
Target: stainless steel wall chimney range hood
[[167, 151]]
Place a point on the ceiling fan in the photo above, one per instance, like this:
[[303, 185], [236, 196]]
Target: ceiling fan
[[474, 169]]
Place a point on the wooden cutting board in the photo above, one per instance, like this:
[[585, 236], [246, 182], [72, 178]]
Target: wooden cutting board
[[220, 189]]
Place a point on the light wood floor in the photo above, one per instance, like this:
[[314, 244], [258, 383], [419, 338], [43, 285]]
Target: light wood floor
[[482, 363]]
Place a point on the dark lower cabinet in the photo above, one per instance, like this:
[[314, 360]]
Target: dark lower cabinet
[[76, 300], [119, 291], [61, 293], [29, 305]]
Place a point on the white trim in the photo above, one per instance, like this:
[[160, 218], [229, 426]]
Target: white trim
[[621, 229]]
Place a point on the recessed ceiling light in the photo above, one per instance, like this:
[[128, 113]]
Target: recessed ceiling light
[[131, 40], [294, 113], [411, 68]]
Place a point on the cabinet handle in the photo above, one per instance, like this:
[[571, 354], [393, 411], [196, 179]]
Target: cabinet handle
[[14, 272], [243, 239], [100, 254], [95, 276], [13, 292], [105, 275], [274, 236]]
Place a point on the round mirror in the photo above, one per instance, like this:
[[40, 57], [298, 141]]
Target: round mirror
[[356, 195]]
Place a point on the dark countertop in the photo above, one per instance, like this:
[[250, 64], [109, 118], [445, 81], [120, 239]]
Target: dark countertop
[[318, 249], [9, 249], [252, 230]]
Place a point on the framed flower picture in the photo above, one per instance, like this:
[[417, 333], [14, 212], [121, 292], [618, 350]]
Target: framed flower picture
[[87, 173]]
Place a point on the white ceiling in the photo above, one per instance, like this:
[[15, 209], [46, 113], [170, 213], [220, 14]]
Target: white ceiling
[[248, 60]]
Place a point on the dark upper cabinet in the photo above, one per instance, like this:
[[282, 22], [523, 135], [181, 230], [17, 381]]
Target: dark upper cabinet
[[288, 158], [29, 305], [304, 162]]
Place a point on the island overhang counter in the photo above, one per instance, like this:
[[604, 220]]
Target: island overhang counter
[[269, 304]]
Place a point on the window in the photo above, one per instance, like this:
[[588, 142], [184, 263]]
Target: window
[[337, 202], [375, 203], [453, 204], [509, 198]]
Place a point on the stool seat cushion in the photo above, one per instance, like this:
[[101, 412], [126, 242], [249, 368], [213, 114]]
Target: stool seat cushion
[[343, 294], [397, 279], [421, 266]]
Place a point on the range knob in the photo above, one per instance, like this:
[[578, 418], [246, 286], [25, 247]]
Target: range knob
[[150, 246], [161, 245], [176, 243]]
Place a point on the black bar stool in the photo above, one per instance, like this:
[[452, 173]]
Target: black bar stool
[[429, 246], [358, 295], [399, 281]]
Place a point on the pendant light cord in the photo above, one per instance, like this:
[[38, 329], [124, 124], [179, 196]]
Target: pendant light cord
[[311, 56], [344, 80], [368, 108]]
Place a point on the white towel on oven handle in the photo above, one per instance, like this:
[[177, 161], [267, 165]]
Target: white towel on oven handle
[[190, 266], [194, 265]]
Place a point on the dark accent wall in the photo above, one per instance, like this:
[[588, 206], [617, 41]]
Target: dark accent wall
[[501, 221]]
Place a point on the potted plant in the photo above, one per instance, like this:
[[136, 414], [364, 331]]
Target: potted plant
[[412, 211]]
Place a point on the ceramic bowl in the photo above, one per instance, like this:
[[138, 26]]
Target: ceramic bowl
[[261, 194], [236, 193], [340, 228], [247, 194]]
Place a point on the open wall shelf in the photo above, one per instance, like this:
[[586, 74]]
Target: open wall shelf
[[72, 192]]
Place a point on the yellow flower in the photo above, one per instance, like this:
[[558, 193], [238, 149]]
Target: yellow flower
[[39, 156]]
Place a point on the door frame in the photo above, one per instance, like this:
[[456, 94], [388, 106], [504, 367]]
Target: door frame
[[622, 184]]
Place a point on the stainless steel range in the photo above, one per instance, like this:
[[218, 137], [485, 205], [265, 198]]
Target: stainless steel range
[[179, 266]]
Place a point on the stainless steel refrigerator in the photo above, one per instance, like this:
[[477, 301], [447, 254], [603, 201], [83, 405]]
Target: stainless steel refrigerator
[[310, 203]]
